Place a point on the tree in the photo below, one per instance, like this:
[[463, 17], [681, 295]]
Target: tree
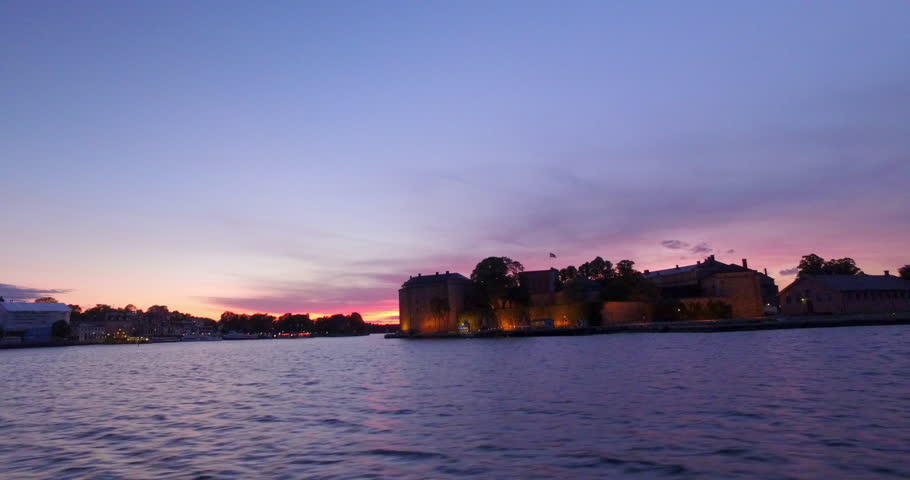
[[294, 323], [629, 284], [46, 300], [97, 313], [566, 275], [811, 264], [625, 269], [497, 277], [841, 266], [158, 310], [357, 324], [597, 269], [261, 323], [75, 313], [61, 329], [905, 272], [439, 309]]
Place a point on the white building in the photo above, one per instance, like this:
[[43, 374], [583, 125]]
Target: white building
[[19, 317]]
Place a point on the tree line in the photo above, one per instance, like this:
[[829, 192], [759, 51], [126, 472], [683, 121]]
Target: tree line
[[296, 323], [258, 323], [813, 264]]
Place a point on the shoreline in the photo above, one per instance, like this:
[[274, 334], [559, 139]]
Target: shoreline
[[692, 326], [16, 346]]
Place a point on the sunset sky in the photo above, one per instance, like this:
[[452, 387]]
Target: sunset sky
[[308, 156]]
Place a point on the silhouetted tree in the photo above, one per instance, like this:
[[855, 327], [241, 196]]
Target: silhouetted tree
[[629, 284], [158, 310], [439, 309], [261, 323], [565, 275], [497, 277], [905, 272], [97, 313], [294, 323], [234, 322], [46, 300], [357, 323], [338, 324], [812, 264], [597, 269], [841, 266], [61, 329]]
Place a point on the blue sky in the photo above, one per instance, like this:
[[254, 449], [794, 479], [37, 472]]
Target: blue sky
[[308, 156]]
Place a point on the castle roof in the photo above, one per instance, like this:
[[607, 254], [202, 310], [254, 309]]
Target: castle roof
[[421, 280]]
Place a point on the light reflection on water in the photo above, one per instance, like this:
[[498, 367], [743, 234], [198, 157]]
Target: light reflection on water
[[821, 403]]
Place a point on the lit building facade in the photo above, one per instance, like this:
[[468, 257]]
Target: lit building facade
[[432, 303]]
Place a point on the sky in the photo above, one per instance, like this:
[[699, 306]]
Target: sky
[[308, 156]]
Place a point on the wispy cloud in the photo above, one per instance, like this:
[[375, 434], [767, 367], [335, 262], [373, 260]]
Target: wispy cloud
[[675, 244], [701, 248], [789, 271]]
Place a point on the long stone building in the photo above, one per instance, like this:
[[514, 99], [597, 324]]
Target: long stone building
[[749, 292], [846, 294]]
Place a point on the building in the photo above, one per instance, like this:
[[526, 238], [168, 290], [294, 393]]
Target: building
[[89, 331], [749, 292], [31, 320], [433, 303], [846, 294], [538, 282]]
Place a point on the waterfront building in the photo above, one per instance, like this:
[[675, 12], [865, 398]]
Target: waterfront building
[[31, 320], [89, 331], [432, 303], [750, 293], [120, 321], [846, 294]]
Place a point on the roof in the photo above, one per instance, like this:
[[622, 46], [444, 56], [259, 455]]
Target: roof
[[34, 307], [860, 282], [671, 271], [431, 279]]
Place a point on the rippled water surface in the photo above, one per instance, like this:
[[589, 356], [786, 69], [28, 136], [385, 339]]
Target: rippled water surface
[[821, 403]]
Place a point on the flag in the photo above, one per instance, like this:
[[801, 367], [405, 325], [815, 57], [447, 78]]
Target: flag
[[552, 255]]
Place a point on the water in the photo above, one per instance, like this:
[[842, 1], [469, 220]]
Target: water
[[819, 403]]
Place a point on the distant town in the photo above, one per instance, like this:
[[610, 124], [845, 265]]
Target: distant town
[[45, 321], [501, 297]]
